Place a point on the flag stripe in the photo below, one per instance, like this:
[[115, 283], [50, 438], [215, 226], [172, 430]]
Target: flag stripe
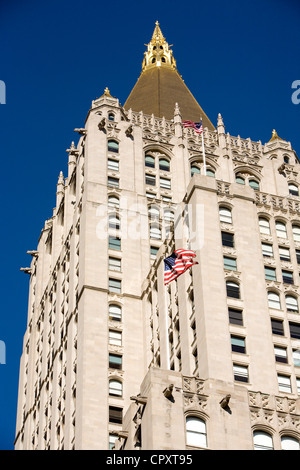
[[178, 263]]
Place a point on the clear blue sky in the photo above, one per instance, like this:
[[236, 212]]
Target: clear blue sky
[[238, 58]]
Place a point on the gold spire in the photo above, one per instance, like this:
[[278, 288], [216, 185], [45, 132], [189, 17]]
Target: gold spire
[[158, 53], [275, 136]]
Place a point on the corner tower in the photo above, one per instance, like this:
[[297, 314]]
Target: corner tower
[[160, 86]]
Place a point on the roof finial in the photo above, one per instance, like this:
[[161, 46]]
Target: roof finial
[[158, 53]]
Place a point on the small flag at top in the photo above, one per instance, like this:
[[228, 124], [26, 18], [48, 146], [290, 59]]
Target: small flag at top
[[177, 264], [198, 126]]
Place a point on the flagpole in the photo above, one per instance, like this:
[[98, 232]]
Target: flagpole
[[203, 149], [167, 328]]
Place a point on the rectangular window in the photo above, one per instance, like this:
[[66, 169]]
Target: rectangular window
[[114, 243], [150, 179], [284, 383], [229, 263], [112, 182], [114, 264], [277, 327], [111, 441], [115, 361], [112, 165], [114, 285], [294, 330], [240, 373], [115, 414], [165, 183], [227, 239], [115, 337], [298, 385], [267, 250], [235, 316], [150, 195], [238, 344], [280, 354], [270, 273], [298, 256], [153, 252], [287, 277], [296, 357], [284, 254]]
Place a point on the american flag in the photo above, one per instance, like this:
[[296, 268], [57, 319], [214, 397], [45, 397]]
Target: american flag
[[198, 126], [177, 264]]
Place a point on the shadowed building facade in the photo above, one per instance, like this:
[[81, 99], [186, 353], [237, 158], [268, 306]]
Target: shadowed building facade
[[113, 358]]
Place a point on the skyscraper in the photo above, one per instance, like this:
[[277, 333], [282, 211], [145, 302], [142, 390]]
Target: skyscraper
[[112, 357]]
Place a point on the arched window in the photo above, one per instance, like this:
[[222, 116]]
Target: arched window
[[232, 289], [293, 189], [239, 179], [149, 161], [115, 388], [296, 233], [164, 164], [155, 232], [195, 170], [262, 441], [290, 443], [291, 303], [280, 229], [254, 184], [273, 300], [225, 215], [153, 212], [264, 226], [115, 312], [168, 214], [111, 117], [210, 172], [114, 221], [113, 146], [195, 432], [113, 201]]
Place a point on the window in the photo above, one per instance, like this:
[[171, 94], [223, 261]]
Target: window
[[240, 373], [229, 263], [153, 252], [293, 189], [164, 164], [284, 383], [277, 327], [267, 250], [114, 264], [195, 432], [294, 330], [168, 214], [149, 161], [291, 303], [225, 215], [280, 229], [296, 233], [274, 300], [115, 414], [153, 212], [210, 172], [254, 185], [115, 361], [165, 183], [227, 239], [238, 344], [280, 354], [114, 243], [115, 388], [114, 221], [298, 385], [113, 202], [262, 441], [111, 117], [195, 170], [155, 232], [115, 337], [239, 180], [270, 273], [113, 146], [289, 443], [287, 277], [115, 312], [111, 441], [264, 226], [296, 357], [112, 165], [235, 316], [298, 256], [114, 285], [112, 182], [150, 195], [233, 289], [284, 254], [150, 179]]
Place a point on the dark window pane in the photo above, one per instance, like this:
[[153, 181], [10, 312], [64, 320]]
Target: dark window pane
[[235, 316], [277, 327], [227, 239]]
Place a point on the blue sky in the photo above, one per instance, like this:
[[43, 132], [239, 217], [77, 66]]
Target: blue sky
[[238, 58]]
